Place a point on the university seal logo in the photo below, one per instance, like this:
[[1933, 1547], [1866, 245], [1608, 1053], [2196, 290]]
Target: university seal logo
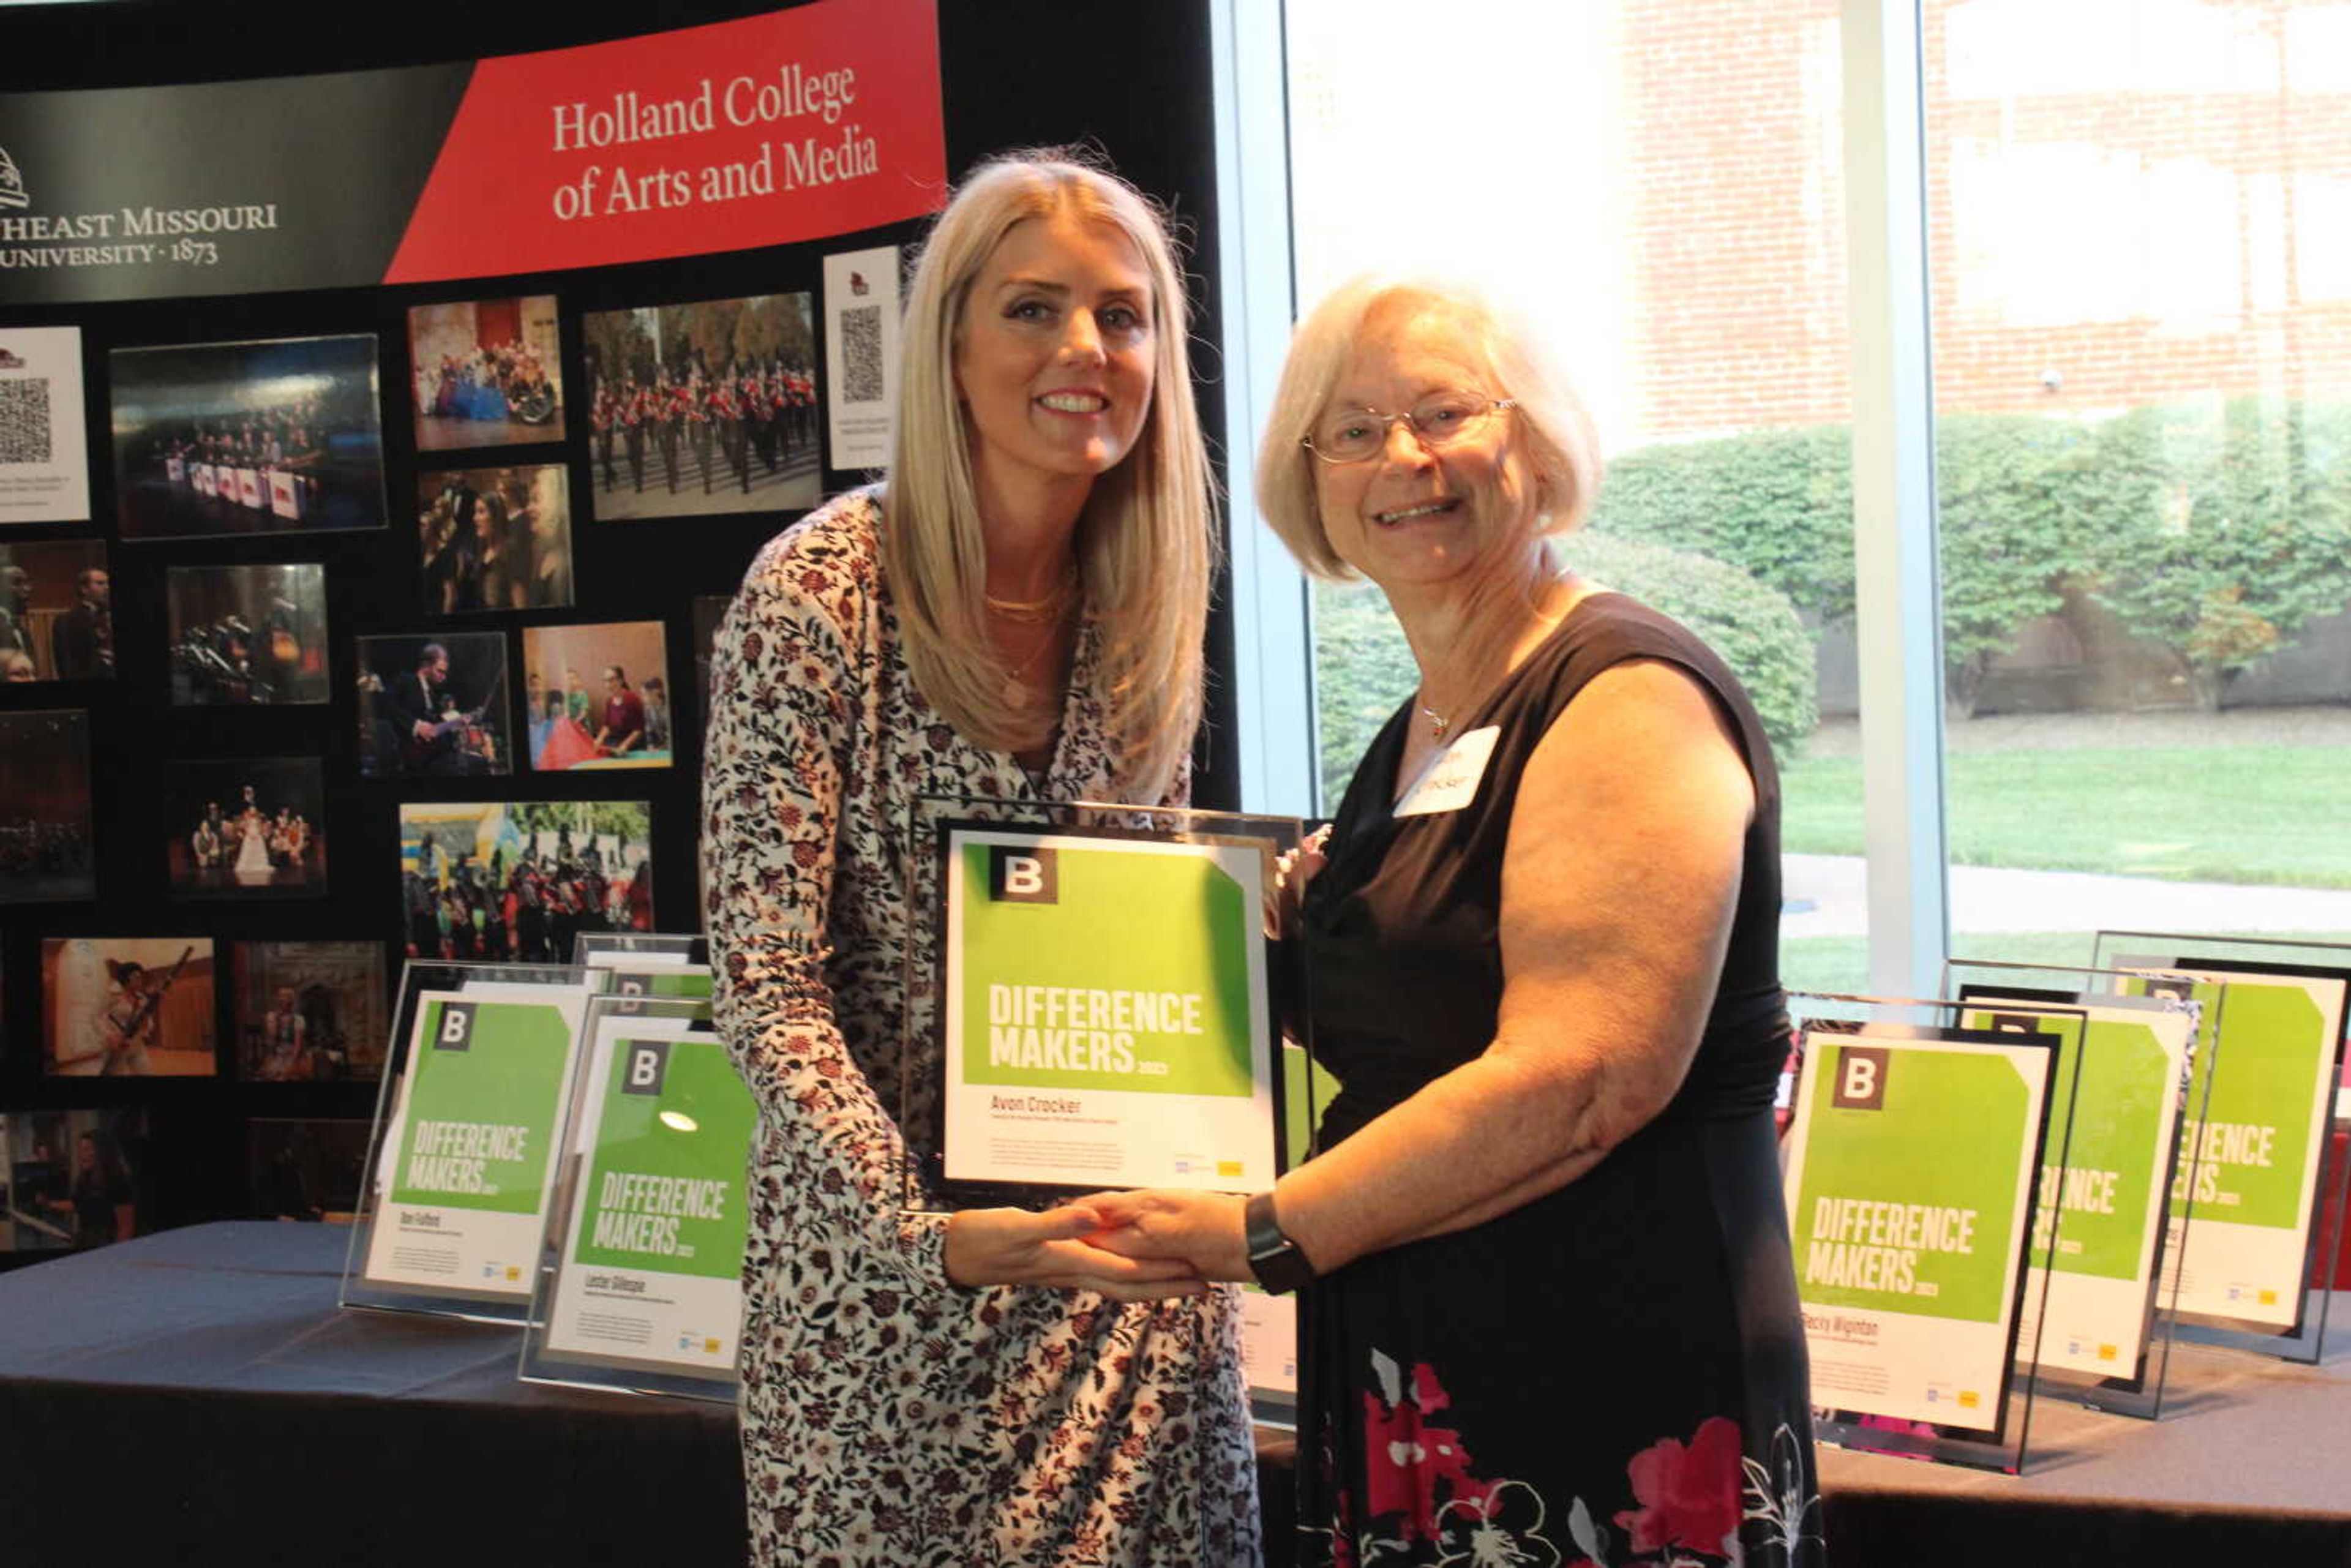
[[12, 182]]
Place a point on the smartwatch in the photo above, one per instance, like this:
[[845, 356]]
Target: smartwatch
[[1273, 1257]]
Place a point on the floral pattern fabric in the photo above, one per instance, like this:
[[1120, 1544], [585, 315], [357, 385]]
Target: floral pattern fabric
[[1696, 1504], [890, 1416]]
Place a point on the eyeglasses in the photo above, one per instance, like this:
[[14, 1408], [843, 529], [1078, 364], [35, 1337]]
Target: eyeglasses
[[1440, 419]]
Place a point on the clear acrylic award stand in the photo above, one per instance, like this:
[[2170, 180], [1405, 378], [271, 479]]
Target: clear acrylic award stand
[[2112, 1282], [1092, 1003], [1910, 1137], [2276, 1304], [638, 1285], [462, 1150]]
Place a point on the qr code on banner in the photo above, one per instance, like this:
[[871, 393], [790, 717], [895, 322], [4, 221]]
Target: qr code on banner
[[860, 354], [25, 420]]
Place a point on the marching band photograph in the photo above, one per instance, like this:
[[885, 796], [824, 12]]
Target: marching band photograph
[[519, 882], [704, 408]]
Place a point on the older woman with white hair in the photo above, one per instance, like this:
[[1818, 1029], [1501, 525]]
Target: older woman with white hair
[[1548, 1310], [1017, 614]]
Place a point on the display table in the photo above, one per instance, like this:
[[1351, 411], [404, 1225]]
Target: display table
[[196, 1398]]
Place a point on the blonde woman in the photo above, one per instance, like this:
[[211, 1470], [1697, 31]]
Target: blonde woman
[[1017, 614]]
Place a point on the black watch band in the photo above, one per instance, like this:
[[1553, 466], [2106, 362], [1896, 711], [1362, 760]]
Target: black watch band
[[1273, 1257]]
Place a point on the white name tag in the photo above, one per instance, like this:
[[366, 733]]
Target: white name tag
[[1450, 782]]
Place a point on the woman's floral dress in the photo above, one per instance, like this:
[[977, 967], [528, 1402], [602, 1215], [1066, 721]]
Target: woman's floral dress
[[890, 1416], [1611, 1375]]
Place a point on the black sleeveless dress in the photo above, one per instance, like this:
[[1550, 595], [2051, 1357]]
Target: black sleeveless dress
[[1613, 1374]]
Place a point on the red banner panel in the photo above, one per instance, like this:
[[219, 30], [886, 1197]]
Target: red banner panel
[[767, 131]]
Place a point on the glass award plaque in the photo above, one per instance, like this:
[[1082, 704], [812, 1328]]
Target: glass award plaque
[[2104, 1337], [462, 1158], [638, 1285], [1094, 1003], [1913, 1171], [2258, 1252]]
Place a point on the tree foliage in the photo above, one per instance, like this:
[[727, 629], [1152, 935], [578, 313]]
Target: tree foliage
[[2215, 530], [1364, 669], [1753, 626]]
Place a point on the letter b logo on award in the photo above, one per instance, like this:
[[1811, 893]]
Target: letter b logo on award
[[1861, 1078], [457, 1030], [1017, 874], [646, 1061]]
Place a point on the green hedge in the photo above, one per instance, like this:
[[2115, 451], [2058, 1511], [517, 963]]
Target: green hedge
[[1752, 625], [2216, 529], [1364, 668]]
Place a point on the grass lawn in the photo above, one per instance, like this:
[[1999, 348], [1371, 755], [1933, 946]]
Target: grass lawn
[[1841, 963], [2262, 814]]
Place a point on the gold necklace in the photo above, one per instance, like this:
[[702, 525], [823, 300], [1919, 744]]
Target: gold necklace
[[1016, 688], [1037, 611]]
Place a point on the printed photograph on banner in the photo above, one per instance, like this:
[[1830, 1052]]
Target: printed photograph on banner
[[127, 1007], [494, 538], [43, 451], [518, 881], [248, 438], [76, 1178], [860, 354], [310, 1013], [307, 1169], [709, 613], [435, 707], [56, 611], [703, 409], [246, 827], [603, 697], [247, 635], [488, 372], [45, 853]]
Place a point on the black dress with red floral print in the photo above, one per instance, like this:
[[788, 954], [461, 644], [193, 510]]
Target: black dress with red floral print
[[1612, 1373]]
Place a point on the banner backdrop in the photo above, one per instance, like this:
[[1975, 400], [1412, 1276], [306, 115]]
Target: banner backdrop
[[767, 131]]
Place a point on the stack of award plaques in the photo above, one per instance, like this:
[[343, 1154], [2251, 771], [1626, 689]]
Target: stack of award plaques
[[2249, 1244], [2102, 1235], [563, 1149]]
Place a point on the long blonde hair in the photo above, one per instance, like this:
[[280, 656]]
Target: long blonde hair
[[1146, 541]]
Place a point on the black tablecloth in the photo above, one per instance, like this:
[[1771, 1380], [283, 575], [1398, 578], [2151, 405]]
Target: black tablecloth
[[196, 1398]]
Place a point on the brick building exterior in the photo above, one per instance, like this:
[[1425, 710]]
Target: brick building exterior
[[2144, 200]]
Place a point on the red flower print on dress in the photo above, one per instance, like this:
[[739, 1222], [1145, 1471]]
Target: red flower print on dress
[[1690, 1496], [1409, 1459]]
